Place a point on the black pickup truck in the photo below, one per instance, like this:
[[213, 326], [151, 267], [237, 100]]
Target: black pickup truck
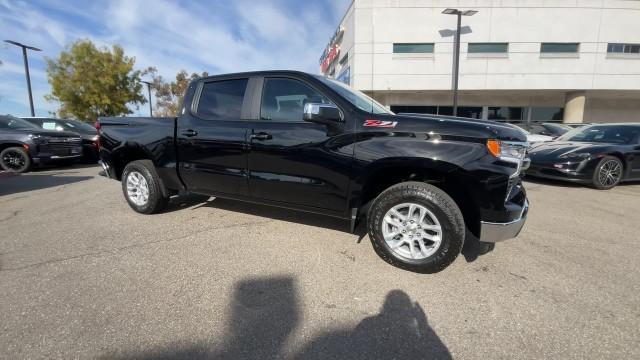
[[305, 142]]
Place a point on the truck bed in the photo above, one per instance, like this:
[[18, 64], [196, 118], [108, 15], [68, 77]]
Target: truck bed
[[141, 137]]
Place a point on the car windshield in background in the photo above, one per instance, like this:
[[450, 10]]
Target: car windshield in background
[[357, 98], [557, 129], [11, 122], [78, 126], [614, 134]]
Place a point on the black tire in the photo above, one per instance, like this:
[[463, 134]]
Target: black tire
[[608, 173], [439, 204], [156, 200], [15, 160]]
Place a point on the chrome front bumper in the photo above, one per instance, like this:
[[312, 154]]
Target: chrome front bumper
[[494, 232]]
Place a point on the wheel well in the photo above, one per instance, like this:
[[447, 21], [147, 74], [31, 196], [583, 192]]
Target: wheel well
[[125, 157], [451, 183], [621, 158], [8, 145]]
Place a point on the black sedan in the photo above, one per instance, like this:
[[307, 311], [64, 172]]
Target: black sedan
[[87, 132], [599, 155]]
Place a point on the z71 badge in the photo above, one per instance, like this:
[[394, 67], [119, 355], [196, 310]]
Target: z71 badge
[[379, 123]]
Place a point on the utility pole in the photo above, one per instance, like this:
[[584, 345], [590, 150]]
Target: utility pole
[[456, 53]]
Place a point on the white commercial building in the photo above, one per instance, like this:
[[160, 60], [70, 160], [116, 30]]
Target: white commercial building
[[569, 60]]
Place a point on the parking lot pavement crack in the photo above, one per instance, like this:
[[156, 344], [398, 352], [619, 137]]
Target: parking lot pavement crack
[[10, 216], [132, 246]]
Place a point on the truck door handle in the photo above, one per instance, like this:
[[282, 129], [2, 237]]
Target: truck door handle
[[261, 136], [189, 133]]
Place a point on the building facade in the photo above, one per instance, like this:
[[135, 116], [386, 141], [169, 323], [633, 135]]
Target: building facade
[[520, 60]]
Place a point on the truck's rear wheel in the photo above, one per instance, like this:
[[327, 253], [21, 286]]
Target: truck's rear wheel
[[416, 226], [142, 187]]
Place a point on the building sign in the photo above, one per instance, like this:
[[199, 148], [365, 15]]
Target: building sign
[[330, 58], [332, 50], [345, 76]]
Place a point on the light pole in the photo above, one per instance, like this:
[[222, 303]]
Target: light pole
[[26, 68], [149, 90], [456, 52]]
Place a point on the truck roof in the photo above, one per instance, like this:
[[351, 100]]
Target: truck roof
[[262, 73]]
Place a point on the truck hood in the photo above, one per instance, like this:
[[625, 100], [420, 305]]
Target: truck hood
[[44, 133], [446, 125]]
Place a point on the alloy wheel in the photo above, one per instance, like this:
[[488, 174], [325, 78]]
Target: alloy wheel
[[137, 188], [610, 172], [412, 231], [14, 160]]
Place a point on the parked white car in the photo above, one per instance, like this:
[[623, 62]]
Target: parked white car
[[535, 138]]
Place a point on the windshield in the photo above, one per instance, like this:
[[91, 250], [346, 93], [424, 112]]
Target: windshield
[[556, 129], [614, 134], [11, 122], [77, 126], [357, 98]]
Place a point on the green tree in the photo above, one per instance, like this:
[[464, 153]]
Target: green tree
[[169, 96], [89, 81]]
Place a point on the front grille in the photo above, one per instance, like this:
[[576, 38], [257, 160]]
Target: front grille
[[65, 141]]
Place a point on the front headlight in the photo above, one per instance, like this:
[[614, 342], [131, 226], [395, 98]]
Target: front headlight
[[509, 151], [512, 152], [573, 155]]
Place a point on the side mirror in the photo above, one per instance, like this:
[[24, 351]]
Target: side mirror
[[327, 114]]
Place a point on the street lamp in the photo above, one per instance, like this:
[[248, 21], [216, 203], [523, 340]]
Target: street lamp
[[149, 90], [456, 52], [26, 68]]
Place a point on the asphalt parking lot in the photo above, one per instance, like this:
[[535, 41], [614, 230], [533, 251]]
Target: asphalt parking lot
[[83, 276]]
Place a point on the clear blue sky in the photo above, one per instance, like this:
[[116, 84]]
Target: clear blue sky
[[215, 36]]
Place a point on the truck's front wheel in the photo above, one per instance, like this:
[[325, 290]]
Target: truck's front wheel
[[142, 187], [416, 226]]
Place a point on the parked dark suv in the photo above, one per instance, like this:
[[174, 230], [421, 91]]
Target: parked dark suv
[[23, 144], [87, 132]]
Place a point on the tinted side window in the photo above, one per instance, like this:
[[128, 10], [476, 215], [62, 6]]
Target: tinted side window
[[284, 99], [222, 100]]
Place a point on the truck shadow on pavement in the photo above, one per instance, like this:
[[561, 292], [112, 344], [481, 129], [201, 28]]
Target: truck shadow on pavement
[[35, 181], [264, 312]]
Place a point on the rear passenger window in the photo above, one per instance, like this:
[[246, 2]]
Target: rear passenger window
[[222, 100], [284, 99]]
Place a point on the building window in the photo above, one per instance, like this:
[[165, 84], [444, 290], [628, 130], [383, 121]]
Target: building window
[[559, 47], [413, 48], [474, 112], [503, 113], [344, 59], [414, 109], [623, 48], [463, 111], [546, 113], [488, 48]]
